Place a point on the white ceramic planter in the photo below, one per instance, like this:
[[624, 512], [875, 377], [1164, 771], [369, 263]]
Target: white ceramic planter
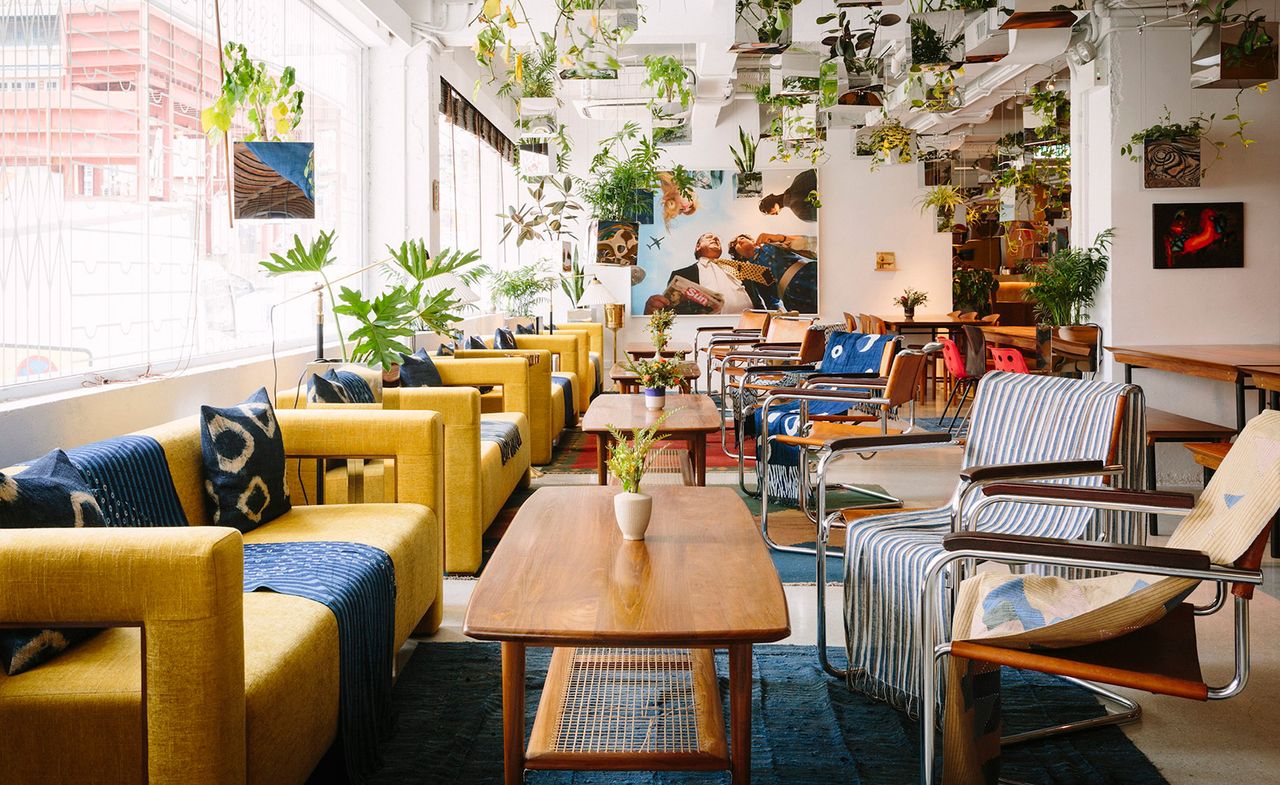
[[632, 511], [655, 398]]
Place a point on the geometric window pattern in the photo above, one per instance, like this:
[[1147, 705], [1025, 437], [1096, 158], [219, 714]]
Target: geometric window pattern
[[116, 252]]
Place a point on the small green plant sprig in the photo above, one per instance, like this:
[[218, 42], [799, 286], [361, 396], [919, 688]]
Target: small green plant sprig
[[629, 454], [273, 107], [659, 327], [657, 373], [669, 80], [910, 298]]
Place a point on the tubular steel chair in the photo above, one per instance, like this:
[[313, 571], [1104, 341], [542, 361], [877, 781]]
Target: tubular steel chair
[[1024, 427], [1129, 627], [812, 432], [751, 325], [782, 340]]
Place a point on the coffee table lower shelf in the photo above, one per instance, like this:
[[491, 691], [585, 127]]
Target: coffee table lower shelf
[[629, 709]]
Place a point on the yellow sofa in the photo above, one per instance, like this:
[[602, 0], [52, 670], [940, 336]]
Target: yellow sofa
[[571, 355], [545, 405], [477, 482], [238, 687], [593, 359]]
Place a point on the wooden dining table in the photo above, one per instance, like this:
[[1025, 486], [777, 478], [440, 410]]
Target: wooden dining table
[[1266, 377], [1228, 362], [926, 323], [1025, 338]]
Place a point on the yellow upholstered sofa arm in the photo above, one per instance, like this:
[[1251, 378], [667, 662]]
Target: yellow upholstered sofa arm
[[565, 346], [512, 373], [536, 372], [185, 587]]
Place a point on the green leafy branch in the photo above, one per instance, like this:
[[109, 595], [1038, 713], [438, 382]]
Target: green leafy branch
[[315, 258], [273, 107]]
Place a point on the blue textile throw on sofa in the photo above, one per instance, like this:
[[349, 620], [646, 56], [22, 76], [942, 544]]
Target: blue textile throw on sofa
[[130, 479], [506, 434], [357, 582]]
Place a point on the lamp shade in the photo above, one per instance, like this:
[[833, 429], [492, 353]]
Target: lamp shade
[[596, 293], [461, 292]]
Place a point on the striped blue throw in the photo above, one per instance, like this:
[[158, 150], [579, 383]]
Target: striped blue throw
[[1017, 418], [506, 434], [566, 384], [357, 583], [130, 478]]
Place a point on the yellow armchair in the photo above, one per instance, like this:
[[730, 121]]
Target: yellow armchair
[[571, 355], [594, 353], [534, 397]]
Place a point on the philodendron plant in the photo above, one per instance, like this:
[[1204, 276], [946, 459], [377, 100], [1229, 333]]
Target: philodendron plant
[[272, 107]]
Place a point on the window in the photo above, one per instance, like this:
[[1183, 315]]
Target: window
[[478, 183], [116, 251]]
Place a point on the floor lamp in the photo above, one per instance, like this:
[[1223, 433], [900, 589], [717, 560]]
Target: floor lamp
[[596, 293]]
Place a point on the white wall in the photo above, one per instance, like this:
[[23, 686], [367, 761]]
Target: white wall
[[1159, 306]]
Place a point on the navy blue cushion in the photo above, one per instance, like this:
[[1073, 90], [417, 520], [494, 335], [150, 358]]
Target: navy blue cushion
[[522, 329], [504, 339], [339, 387], [475, 342], [51, 493], [358, 390], [243, 452], [444, 350], [417, 370]]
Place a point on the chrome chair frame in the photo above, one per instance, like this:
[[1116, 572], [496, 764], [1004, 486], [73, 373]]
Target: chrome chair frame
[[940, 568]]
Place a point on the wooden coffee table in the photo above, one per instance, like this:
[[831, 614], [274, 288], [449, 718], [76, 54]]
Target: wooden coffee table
[[692, 418], [637, 349], [628, 380], [632, 683]]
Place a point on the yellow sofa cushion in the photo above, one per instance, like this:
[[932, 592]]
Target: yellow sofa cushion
[[89, 699]]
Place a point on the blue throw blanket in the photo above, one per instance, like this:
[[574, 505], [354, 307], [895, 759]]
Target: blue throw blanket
[[506, 434], [357, 583], [845, 353], [130, 478], [567, 385]]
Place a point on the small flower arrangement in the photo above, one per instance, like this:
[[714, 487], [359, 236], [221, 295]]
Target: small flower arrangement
[[629, 455], [658, 373], [910, 298], [659, 327]]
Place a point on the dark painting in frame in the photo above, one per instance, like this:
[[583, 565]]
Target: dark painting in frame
[[1197, 235]]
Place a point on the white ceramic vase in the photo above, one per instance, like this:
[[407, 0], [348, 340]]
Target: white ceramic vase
[[632, 511], [655, 397]]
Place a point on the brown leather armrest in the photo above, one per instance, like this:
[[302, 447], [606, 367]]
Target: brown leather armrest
[[850, 380], [864, 443], [1075, 493], [1104, 552], [1021, 471], [727, 340], [779, 345]]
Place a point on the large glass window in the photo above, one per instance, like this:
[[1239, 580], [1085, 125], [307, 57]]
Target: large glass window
[[116, 247]]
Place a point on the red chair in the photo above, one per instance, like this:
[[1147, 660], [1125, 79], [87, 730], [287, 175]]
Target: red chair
[[964, 378], [1010, 360]]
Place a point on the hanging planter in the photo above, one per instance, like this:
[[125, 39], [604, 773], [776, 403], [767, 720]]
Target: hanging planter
[[889, 143], [273, 180], [936, 39], [762, 27], [1170, 152], [1235, 55], [618, 242]]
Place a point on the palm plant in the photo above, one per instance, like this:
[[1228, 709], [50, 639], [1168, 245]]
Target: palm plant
[[516, 292], [1064, 287], [314, 257]]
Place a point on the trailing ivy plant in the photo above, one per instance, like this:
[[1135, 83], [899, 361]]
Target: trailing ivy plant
[[669, 80], [272, 107], [624, 173], [1166, 130], [1053, 107], [938, 89], [891, 142]]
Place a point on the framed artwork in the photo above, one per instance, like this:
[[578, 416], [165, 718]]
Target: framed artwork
[[273, 180], [1196, 235], [716, 251]]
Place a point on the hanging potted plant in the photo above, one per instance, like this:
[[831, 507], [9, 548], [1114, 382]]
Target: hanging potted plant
[[670, 81], [973, 289], [574, 285], [890, 143], [655, 376], [749, 183], [944, 199], [937, 162], [274, 178], [909, 300], [1064, 287], [1232, 50], [1170, 152], [762, 27], [936, 38], [535, 79], [932, 90], [620, 185], [628, 460]]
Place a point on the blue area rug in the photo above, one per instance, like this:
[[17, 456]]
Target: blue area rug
[[806, 728]]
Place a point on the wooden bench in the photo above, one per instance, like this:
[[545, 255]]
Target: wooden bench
[[1210, 455], [1165, 426]]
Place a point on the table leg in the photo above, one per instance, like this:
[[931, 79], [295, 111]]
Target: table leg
[[740, 713], [602, 453], [1239, 402], [513, 713], [699, 442], [1153, 526]]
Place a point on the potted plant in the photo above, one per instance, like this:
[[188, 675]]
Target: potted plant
[[669, 80], [283, 172], [574, 285], [655, 376], [762, 27], [853, 46], [312, 258], [1046, 114], [928, 90], [936, 38], [973, 289], [749, 182], [516, 292], [619, 188], [944, 199], [1170, 152], [889, 142], [1230, 49], [628, 460], [659, 327], [909, 300], [1064, 286], [413, 265]]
